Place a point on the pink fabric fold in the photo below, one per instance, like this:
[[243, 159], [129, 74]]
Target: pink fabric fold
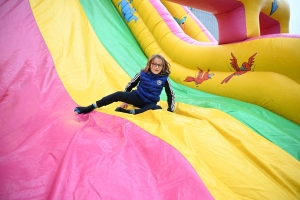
[[48, 152]]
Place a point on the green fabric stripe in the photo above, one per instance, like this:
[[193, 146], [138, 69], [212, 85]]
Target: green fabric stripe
[[117, 38]]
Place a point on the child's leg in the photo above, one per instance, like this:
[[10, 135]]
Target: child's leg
[[84, 110], [128, 97], [119, 109], [145, 108]]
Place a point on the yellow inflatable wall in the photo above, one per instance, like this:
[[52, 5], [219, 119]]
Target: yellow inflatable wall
[[262, 71]]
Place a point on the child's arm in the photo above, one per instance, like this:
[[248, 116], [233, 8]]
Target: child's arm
[[133, 82], [171, 96]]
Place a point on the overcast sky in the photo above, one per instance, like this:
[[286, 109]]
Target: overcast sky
[[294, 16]]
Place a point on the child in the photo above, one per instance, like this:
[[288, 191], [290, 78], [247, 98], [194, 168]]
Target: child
[[150, 80]]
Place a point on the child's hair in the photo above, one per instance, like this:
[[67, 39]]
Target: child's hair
[[165, 65]]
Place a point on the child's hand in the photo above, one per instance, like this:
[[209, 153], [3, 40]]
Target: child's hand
[[124, 105]]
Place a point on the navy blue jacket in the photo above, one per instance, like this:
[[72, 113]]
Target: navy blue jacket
[[150, 86]]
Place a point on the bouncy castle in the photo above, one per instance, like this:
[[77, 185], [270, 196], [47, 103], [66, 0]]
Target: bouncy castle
[[235, 132]]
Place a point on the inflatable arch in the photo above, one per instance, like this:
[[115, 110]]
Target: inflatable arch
[[240, 20]]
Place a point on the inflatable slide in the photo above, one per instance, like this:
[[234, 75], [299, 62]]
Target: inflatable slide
[[56, 55]]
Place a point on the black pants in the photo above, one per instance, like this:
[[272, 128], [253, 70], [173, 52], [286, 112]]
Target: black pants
[[130, 98]]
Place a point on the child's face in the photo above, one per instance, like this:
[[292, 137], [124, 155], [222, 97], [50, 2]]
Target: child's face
[[156, 65]]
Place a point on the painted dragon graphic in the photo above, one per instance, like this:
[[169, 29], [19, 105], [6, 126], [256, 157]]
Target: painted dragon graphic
[[127, 10], [246, 67], [199, 79]]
